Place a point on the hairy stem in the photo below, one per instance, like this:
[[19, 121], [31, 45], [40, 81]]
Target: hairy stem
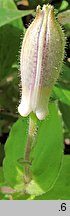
[[30, 139]]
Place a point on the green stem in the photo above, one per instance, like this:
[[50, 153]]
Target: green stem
[[31, 136], [27, 159]]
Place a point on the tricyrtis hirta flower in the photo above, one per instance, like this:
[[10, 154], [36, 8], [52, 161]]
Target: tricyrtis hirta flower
[[41, 59]]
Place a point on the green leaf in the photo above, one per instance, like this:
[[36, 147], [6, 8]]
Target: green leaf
[[9, 4], [62, 90], [1, 153], [47, 152], [64, 5], [61, 189], [65, 76], [14, 150], [15, 146], [62, 94], [1, 177], [7, 15], [65, 110]]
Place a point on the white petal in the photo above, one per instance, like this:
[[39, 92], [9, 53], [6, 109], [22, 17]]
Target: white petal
[[42, 102], [24, 108], [29, 52], [41, 114]]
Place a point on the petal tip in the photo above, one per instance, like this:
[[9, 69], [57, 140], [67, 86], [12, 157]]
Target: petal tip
[[23, 109], [41, 115]]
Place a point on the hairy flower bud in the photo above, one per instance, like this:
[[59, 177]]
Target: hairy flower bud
[[41, 59]]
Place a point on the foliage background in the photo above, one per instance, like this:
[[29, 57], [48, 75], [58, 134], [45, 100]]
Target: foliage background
[[15, 17]]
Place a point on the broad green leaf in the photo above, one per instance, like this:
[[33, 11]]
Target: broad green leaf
[[9, 4], [62, 91], [61, 189], [47, 152], [14, 150], [62, 94], [1, 153], [64, 5], [7, 15], [65, 110], [65, 74], [1, 176]]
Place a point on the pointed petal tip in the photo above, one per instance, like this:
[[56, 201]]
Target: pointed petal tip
[[48, 6], [38, 9]]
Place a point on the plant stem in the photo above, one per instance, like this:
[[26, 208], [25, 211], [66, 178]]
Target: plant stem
[[27, 159], [30, 139]]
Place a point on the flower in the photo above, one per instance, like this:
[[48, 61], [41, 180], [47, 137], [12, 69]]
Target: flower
[[41, 60]]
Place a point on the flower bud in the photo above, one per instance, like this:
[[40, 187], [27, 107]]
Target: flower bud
[[41, 60]]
